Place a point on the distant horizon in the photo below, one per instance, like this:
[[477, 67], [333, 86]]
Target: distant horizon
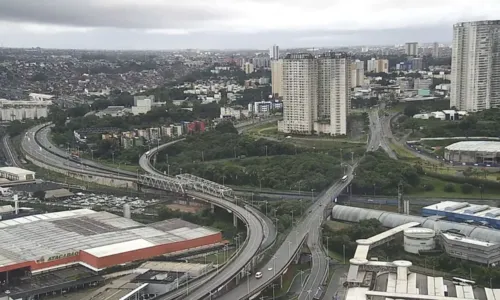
[[221, 49], [231, 25]]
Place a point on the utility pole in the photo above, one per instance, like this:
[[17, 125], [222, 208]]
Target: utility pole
[[400, 197]]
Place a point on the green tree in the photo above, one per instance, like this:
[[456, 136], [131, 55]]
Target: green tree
[[449, 188], [411, 110], [226, 127], [467, 188]]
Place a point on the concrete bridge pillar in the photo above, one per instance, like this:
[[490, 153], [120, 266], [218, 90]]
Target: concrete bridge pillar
[[235, 220], [212, 207]]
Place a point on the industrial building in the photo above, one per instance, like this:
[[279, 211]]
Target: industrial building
[[481, 152], [464, 212], [419, 239], [16, 174], [459, 246], [476, 243], [19, 110], [95, 240]]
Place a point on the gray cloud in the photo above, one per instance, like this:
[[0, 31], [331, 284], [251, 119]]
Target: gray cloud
[[126, 39], [99, 13]]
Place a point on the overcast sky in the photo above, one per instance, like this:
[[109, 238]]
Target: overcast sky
[[232, 24]]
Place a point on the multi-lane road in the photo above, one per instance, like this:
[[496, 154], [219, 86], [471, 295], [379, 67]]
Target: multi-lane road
[[307, 226], [255, 236], [378, 133]]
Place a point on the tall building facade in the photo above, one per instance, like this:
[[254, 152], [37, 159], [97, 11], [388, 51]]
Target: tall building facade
[[277, 77], [377, 65], [316, 93], [275, 52], [411, 49], [435, 50], [357, 73], [248, 68], [475, 66]]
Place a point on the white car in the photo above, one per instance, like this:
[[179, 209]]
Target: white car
[[258, 275]]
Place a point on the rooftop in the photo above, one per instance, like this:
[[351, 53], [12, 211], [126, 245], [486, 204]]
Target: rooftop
[[464, 208], [479, 146], [467, 240], [16, 171], [46, 237]]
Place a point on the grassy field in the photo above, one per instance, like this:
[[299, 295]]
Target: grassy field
[[318, 142], [439, 192], [334, 225]]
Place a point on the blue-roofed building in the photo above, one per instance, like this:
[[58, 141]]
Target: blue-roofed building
[[465, 212]]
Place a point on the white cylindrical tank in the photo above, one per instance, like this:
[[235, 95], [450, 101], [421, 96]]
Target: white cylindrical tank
[[419, 239], [126, 211]]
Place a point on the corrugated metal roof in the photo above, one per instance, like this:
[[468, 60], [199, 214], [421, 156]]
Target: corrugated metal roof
[[388, 219], [41, 236]]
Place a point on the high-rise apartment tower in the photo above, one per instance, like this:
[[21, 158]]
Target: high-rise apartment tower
[[275, 52], [316, 93], [475, 66], [411, 49]]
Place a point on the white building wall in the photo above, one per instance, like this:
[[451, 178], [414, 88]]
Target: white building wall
[[300, 93], [475, 73], [277, 77]]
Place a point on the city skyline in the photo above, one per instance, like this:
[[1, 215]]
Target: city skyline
[[109, 24]]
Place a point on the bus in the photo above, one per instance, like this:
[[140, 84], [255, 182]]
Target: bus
[[344, 179], [461, 281]]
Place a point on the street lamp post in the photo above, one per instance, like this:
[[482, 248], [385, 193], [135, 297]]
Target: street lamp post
[[312, 195], [274, 264]]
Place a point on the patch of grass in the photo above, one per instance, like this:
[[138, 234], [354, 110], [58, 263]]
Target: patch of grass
[[402, 152], [439, 192], [334, 225], [289, 276], [214, 258]]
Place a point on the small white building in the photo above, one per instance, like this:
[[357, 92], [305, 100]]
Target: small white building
[[419, 239], [39, 97], [16, 174]]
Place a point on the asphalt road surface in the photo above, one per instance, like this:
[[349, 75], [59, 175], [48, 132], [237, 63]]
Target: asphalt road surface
[[378, 133], [336, 290], [30, 145], [308, 225], [255, 236]]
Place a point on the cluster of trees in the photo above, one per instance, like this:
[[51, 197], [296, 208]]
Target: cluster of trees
[[346, 237], [484, 123], [303, 171], [284, 210], [226, 157], [360, 102], [377, 173], [220, 219], [16, 127]]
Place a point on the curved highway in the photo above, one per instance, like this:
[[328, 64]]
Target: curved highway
[[42, 138], [40, 152], [255, 237]]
